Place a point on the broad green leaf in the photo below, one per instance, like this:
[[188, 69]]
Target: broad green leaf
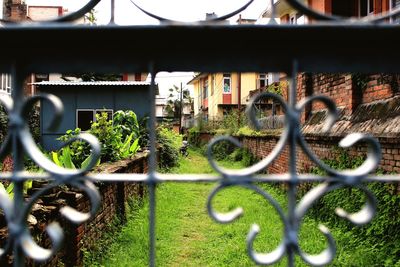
[[134, 147], [27, 186], [85, 163], [10, 188], [125, 149], [67, 160], [2, 187], [55, 158]]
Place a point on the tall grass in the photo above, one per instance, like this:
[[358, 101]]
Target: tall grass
[[187, 236]]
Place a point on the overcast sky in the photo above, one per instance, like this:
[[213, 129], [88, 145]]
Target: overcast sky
[[183, 10]]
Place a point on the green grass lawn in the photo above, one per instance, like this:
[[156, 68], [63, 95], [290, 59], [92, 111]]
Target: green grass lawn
[[187, 236]]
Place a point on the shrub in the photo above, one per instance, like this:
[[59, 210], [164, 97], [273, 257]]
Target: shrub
[[222, 150], [109, 138], [3, 123], [243, 155], [236, 155], [194, 137], [247, 131], [144, 132], [169, 143], [233, 121], [126, 123], [33, 123], [79, 150], [382, 232], [118, 141]]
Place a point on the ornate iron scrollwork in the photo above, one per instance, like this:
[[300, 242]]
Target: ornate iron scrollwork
[[19, 141], [16, 216], [335, 180]]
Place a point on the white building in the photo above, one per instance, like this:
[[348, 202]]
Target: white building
[[161, 104]]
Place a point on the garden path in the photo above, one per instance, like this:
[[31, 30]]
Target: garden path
[[187, 236]]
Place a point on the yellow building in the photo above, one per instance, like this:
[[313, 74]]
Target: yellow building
[[215, 94]]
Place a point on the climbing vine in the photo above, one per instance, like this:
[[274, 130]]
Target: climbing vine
[[392, 79], [360, 80], [382, 232]]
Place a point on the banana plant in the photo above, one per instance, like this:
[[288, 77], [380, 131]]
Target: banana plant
[[64, 159], [9, 189], [128, 149]]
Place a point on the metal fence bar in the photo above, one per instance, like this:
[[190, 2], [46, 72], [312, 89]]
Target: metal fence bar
[[18, 158], [292, 190], [152, 180], [45, 42], [121, 44], [193, 178]]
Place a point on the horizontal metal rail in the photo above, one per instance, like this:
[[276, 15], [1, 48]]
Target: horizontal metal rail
[[184, 178], [317, 48]]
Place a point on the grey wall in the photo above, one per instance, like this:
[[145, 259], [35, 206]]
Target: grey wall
[[135, 98]]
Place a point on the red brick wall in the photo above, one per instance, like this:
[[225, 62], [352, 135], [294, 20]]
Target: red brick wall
[[113, 199], [84, 236], [205, 137], [324, 148], [376, 89], [338, 87], [344, 89], [15, 10]]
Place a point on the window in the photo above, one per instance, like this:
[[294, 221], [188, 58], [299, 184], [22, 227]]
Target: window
[[292, 19], [262, 80], [365, 7], [85, 117], [212, 84], [227, 84], [5, 85], [138, 77], [41, 77], [108, 111], [205, 89], [200, 90], [370, 7], [395, 4], [297, 18]]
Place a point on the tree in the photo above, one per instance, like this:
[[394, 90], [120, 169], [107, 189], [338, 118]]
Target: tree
[[90, 17], [91, 76], [174, 102]]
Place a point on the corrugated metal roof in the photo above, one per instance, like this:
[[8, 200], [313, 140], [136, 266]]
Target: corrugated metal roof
[[198, 76], [102, 83]]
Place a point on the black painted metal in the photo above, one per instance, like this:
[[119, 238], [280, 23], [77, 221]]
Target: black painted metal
[[341, 46], [318, 48]]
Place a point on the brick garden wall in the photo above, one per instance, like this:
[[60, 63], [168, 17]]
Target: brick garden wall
[[114, 197], [347, 90], [377, 88], [325, 148], [77, 238]]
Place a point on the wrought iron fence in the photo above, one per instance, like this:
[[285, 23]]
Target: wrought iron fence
[[114, 48]]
